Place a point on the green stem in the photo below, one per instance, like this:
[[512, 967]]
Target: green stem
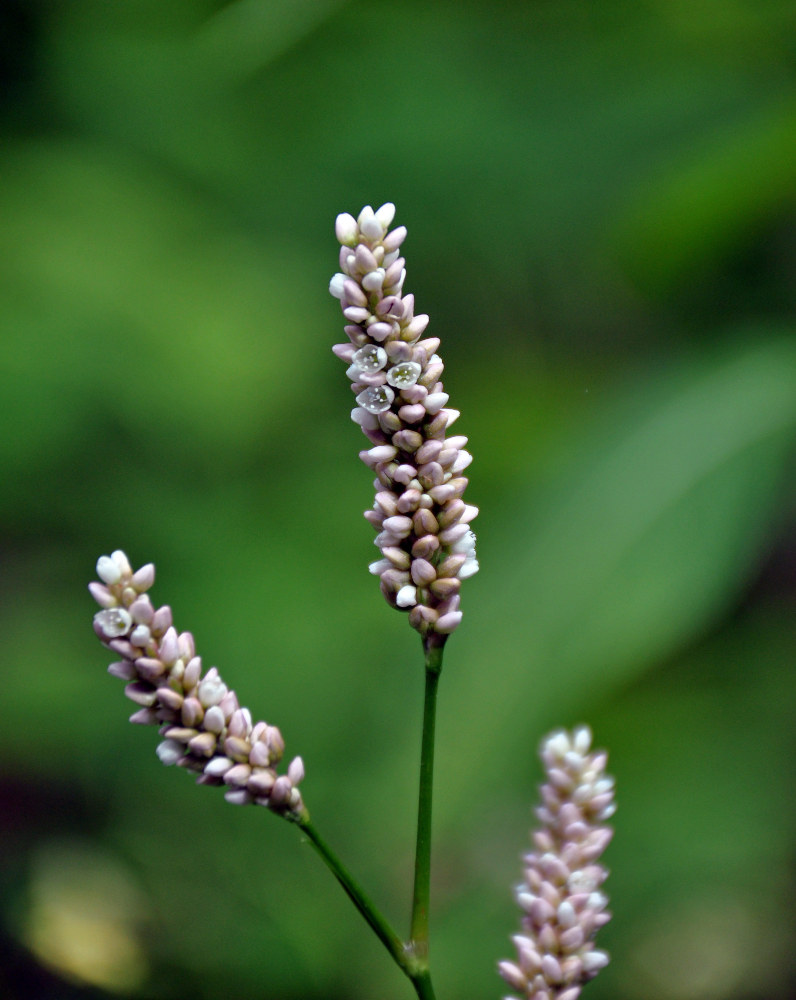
[[412, 957], [402, 955], [422, 984], [420, 900], [380, 926]]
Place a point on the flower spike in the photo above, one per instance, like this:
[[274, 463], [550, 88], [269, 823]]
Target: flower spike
[[422, 522], [204, 727], [560, 897]]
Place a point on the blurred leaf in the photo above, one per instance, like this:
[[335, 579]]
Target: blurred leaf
[[708, 201], [245, 35], [641, 542], [703, 754], [136, 302], [704, 760]]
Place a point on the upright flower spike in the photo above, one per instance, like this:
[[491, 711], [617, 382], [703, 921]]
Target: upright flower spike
[[204, 728], [422, 521], [560, 896]]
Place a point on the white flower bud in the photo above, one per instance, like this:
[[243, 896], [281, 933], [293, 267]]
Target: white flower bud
[[346, 230], [336, 285], [122, 562], [385, 214], [170, 751], [406, 596], [211, 689], [108, 570], [295, 770]]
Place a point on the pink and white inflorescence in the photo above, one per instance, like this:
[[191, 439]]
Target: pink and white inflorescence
[[423, 523], [560, 897], [204, 728]]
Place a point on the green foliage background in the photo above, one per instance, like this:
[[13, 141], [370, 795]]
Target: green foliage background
[[601, 204]]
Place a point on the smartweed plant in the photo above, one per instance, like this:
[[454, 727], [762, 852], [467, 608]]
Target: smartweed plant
[[427, 550]]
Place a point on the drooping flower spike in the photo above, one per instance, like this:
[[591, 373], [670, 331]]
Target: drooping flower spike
[[560, 897], [422, 521], [204, 727]]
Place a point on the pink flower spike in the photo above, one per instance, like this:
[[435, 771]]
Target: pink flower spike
[[562, 909], [197, 713], [402, 410]]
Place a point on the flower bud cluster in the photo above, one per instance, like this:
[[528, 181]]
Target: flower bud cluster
[[204, 727], [422, 521], [560, 896]]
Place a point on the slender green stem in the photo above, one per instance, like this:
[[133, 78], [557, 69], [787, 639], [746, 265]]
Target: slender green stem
[[420, 900], [411, 958], [402, 955], [355, 893], [422, 984]]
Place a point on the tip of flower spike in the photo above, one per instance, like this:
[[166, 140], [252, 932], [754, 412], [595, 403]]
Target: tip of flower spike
[[560, 743]]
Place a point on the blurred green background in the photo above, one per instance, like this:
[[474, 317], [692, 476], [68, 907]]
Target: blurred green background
[[601, 204]]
